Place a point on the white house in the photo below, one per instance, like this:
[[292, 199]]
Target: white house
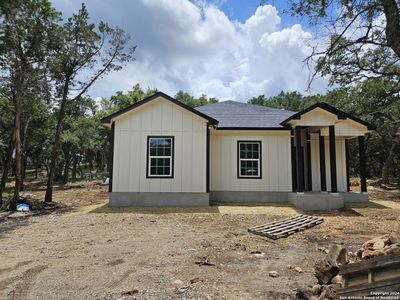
[[167, 153]]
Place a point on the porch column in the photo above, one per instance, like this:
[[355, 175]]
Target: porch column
[[293, 160], [361, 149], [332, 152], [309, 167], [299, 160], [346, 144], [322, 164]]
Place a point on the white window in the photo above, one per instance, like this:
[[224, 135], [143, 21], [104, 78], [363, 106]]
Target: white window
[[160, 156], [249, 159]]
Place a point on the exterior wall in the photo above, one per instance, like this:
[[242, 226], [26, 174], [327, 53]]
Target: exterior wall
[[340, 164], [275, 161], [159, 117]]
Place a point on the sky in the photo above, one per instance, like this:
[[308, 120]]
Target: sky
[[228, 49]]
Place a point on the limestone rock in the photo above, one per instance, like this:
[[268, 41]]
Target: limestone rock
[[325, 271], [394, 248], [372, 253], [337, 255], [273, 274], [328, 292], [299, 270], [338, 279], [316, 289], [377, 243]]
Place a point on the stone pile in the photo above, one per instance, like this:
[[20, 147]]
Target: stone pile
[[327, 270]]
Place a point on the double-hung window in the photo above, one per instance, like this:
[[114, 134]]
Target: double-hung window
[[249, 159], [160, 156]]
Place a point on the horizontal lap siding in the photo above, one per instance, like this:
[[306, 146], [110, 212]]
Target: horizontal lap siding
[[276, 162], [159, 117]]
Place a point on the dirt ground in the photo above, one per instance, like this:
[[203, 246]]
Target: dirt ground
[[93, 252]]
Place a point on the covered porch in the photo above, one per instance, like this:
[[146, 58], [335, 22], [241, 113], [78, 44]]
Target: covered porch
[[320, 157]]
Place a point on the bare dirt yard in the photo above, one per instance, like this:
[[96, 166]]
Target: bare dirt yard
[[88, 251]]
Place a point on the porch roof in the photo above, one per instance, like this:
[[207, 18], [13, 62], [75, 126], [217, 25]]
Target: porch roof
[[339, 114]]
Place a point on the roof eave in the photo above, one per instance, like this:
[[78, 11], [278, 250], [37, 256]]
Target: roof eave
[[108, 119]]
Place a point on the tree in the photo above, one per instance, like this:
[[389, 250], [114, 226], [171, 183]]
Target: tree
[[363, 39], [25, 30], [82, 47], [188, 99]]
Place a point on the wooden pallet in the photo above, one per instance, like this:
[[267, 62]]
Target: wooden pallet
[[377, 274], [286, 227]]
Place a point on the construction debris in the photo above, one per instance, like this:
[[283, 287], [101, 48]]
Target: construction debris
[[328, 271], [286, 227]]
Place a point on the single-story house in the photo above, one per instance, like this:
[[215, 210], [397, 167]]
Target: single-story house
[[167, 153]]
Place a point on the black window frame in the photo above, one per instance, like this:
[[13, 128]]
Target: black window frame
[[259, 159], [148, 175]]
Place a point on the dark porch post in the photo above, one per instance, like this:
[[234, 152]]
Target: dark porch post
[[322, 164], [299, 160], [361, 149], [332, 152]]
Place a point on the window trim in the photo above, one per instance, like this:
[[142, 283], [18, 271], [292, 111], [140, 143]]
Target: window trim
[[148, 156], [239, 159]]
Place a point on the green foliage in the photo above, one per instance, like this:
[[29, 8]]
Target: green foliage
[[192, 101]]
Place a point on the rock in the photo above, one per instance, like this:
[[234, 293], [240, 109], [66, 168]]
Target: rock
[[394, 248], [298, 269], [316, 289], [289, 266], [130, 292], [371, 253], [328, 292], [313, 298], [359, 252], [394, 238], [273, 274], [325, 271], [195, 280], [338, 279], [178, 282], [302, 295], [337, 255], [376, 243], [183, 289]]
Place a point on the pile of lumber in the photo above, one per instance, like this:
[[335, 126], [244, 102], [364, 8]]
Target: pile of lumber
[[328, 271]]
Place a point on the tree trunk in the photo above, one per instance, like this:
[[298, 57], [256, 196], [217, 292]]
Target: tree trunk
[[67, 159], [36, 169], [6, 168], [24, 158], [17, 145], [387, 164], [57, 144], [74, 163]]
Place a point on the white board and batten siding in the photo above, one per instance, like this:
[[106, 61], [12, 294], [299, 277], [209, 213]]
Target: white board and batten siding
[[340, 163], [275, 161], [159, 118]]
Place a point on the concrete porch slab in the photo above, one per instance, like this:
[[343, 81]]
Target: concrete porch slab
[[316, 201]]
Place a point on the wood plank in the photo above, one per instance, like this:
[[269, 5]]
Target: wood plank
[[295, 226], [289, 226], [276, 222], [286, 227]]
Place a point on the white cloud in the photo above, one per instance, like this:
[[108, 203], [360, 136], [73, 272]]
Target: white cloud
[[197, 48]]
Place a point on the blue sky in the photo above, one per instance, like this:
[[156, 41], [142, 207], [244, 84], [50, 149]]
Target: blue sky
[[229, 49]]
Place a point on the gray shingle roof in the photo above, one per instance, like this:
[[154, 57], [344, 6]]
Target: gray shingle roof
[[234, 114]]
